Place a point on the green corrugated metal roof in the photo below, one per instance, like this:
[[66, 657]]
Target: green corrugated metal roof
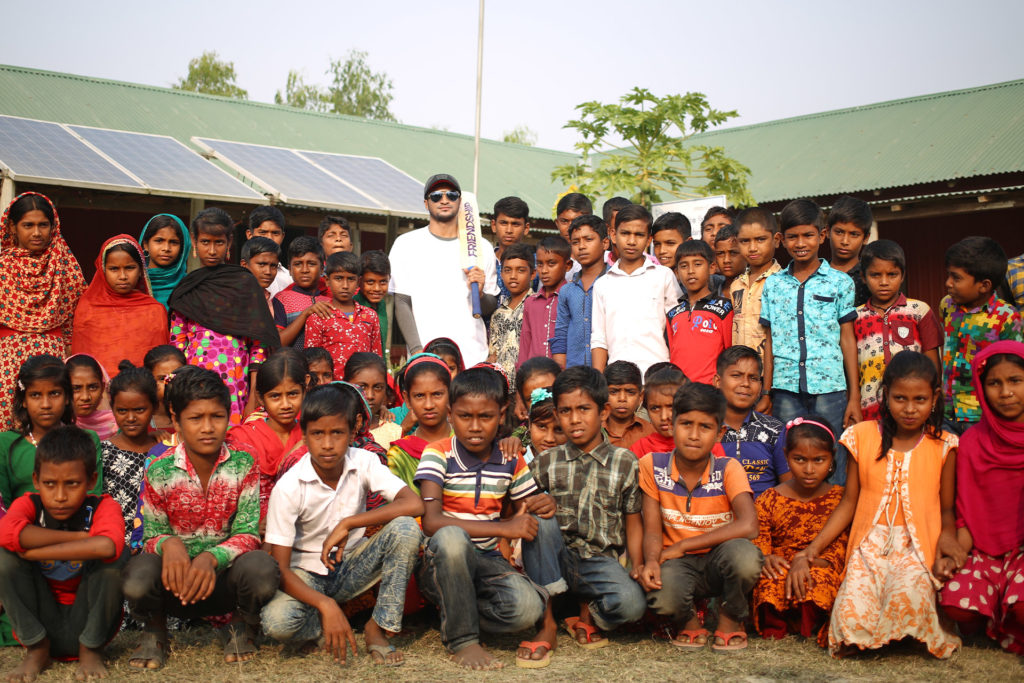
[[505, 169], [944, 136]]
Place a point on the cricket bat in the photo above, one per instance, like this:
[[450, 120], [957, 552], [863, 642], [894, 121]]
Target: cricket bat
[[470, 239]]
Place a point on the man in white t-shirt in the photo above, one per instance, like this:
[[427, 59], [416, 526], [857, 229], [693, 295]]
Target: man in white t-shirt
[[432, 291]]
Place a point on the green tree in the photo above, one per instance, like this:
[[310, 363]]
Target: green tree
[[520, 135], [208, 74], [642, 148], [302, 96], [357, 90]]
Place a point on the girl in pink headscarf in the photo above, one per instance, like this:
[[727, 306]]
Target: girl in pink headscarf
[[989, 590]]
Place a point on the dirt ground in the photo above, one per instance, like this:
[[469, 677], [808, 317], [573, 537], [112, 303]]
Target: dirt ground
[[196, 656]]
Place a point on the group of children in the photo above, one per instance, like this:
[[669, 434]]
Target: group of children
[[698, 440]]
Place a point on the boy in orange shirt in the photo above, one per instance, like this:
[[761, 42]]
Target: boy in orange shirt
[[699, 519]]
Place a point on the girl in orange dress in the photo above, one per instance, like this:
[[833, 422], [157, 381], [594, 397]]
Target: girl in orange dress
[[790, 516], [899, 496]]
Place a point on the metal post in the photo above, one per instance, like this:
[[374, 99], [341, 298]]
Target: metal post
[[479, 89]]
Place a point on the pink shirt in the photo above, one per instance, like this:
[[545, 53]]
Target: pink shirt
[[539, 314]]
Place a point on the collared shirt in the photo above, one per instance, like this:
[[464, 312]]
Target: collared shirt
[[342, 335], [295, 300], [281, 280], [276, 311], [760, 446], [746, 308], [473, 489], [304, 510], [506, 327], [1015, 280], [573, 322], [969, 330], [804, 319], [697, 335], [629, 313], [688, 513], [593, 493], [635, 431], [539, 313], [908, 324], [223, 520]]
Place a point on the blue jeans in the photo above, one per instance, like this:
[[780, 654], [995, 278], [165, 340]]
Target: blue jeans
[[727, 571], [388, 556], [787, 405], [614, 597], [453, 572]]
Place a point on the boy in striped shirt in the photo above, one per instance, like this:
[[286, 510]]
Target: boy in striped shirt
[[464, 482]]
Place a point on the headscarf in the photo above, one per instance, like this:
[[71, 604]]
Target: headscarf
[[228, 300], [37, 294], [102, 419], [113, 327], [990, 470], [165, 279]]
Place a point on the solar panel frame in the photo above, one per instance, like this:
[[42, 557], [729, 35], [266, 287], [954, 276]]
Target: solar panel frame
[[408, 205], [204, 179], [287, 165], [30, 139]]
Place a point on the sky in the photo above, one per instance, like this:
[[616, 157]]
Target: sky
[[766, 60]]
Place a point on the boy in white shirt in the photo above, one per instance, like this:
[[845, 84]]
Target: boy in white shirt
[[315, 526], [631, 300]]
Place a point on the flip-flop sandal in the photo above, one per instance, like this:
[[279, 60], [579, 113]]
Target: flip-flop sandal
[[726, 637], [384, 651], [238, 641], [151, 648], [690, 644], [532, 646], [573, 624]]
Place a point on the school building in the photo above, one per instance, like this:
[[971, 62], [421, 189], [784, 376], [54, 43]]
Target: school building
[[111, 154]]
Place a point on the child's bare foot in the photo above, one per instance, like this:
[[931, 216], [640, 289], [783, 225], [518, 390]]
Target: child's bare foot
[[239, 642], [379, 647], [542, 645], [90, 664], [36, 660], [477, 658]]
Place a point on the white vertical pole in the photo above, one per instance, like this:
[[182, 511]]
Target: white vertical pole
[[479, 89]]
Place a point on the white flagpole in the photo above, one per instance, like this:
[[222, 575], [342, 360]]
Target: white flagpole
[[479, 89]]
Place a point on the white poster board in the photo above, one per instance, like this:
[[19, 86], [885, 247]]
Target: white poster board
[[693, 209]]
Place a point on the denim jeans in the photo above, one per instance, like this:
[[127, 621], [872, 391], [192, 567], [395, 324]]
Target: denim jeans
[[614, 597], [389, 556], [93, 619], [787, 405], [728, 571], [453, 571], [244, 588], [954, 426]]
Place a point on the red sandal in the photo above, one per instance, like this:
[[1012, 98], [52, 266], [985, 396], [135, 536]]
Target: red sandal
[[532, 646], [726, 637], [691, 635], [573, 624]]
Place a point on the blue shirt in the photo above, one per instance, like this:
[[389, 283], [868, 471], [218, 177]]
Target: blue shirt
[[804, 319], [572, 325], [760, 446]]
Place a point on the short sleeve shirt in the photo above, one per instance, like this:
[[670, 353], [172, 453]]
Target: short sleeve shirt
[[473, 489], [697, 334], [804, 319], [760, 447]]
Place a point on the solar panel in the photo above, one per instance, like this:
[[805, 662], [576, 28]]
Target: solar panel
[[166, 165], [46, 152], [283, 172], [397, 191]]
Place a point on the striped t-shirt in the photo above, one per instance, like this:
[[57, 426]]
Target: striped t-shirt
[[472, 489]]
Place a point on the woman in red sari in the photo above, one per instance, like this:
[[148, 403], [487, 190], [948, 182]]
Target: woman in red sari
[[40, 283], [117, 318]]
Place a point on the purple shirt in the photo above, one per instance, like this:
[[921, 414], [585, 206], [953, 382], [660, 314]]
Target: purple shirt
[[539, 314]]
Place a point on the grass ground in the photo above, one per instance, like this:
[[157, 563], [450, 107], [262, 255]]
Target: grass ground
[[196, 656]]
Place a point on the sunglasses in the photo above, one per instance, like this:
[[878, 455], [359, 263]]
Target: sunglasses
[[452, 196]]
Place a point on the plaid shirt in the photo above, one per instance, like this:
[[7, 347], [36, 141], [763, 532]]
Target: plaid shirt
[[594, 492], [1015, 280], [969, 330], [222, 521]]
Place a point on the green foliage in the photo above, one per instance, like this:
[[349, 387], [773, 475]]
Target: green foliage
[[521, 135], [654, 159], [208, 74], [302, 96], [357, 90]]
